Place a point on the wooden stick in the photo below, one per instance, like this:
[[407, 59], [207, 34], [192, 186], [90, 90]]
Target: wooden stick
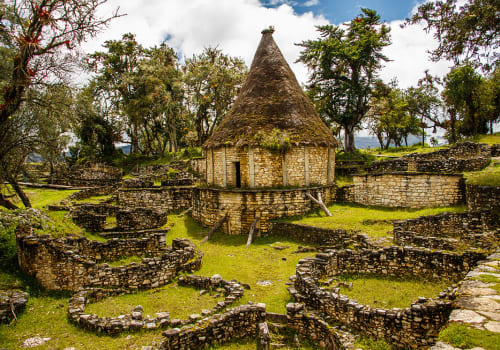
[[319, 202], [185, 212], [250, 234], [215, 228]]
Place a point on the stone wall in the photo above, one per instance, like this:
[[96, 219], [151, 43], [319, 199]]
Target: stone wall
[[467, 156], [243, 206], [199, 166], [449, 230], [414, 327], [240, 322], [336, 239], [345, 194], [73, 263], [409, 190], [161, 198], [482, 197], [259, 167], [11, 301], [135, 320], [92, 175], [495, 150], [311, 326], [93, 191], [140, 218]]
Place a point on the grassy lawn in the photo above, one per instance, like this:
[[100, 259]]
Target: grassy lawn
[[180, 301], [389, 292], [94, 199], [46, 311], [489, 176], [465, 338], [490, 139], [374, 221]]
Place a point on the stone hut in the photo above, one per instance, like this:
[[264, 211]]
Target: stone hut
[[267, 152]]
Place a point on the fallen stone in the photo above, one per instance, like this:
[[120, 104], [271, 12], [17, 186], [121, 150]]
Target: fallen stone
[[34, 342], [264, 283], [443, 346], [466, 316], [493, 326]]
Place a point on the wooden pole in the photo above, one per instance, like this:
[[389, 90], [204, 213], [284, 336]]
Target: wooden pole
[[319, 202], [250, 233], [215, 228]]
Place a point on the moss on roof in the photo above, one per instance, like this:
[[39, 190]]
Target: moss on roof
[[271, 99]]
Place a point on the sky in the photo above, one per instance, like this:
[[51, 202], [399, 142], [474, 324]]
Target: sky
[[235, 25]]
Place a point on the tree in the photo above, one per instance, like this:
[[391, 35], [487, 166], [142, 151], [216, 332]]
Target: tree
[[36, 38], [116, 69], [462, 96], [467, 32], [343, 65], [213, 81]]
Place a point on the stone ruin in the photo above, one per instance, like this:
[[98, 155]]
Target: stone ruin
[[12, 302], [91, 175]]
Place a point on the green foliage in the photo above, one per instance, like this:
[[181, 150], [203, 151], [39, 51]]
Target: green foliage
[[8, 250], [370, 344], [466, 338], [469, 31], [275, 141], [213, 81], [344, 64]]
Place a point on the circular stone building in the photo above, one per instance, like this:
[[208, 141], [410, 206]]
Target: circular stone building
[[269, 150]]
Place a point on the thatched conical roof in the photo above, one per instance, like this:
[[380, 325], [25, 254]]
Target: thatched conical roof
[[270, 106]]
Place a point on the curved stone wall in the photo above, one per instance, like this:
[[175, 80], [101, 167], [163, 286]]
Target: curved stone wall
[[409, 190], [482, 197], [243, 206], [413, 327], [74, 263]]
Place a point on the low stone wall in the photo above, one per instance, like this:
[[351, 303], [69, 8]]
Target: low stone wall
[[162, 198], [495, 150], [177, 182], [135, 320], [409, 190], [413, 327], [73, 263], [449, 230], [93, 175], [345, 194], [243, 206], [467, 156], [480, 198], [140, 218], [92, 217], [199, 165], [240, 322], [333, 238], [94, 191], [11, 301], [309, 325], [137, 182]]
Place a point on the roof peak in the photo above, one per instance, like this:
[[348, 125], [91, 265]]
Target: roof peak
[[269, 30]]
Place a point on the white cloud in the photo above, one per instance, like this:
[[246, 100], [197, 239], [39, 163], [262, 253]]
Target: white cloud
[[409, 55], [232, 25], [310, 3]]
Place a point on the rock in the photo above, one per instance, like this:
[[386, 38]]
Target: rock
[[35, 341], [264, 283], [466, 316], [443, 346], [138, 308], [203, 291], [493, 326]]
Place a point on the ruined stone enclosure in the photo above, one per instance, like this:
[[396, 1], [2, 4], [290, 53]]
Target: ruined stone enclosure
[[272, 139]]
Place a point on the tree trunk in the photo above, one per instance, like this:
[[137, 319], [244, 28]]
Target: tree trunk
[[349, 141], [6, 203], [20, 192]]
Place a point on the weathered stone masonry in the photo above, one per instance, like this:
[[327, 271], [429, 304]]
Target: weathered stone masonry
[[412, 327], [210, 204], [163, 198], [483, 198], [74, 263], [409, 190], [11, 301]]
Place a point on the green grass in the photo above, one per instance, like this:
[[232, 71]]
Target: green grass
[[344, 180], [490, 139], [401, 151], [465, 338], [367, 343], [41, 197], [374, 221], [125, 260], [489, 176], [180, 301], [391, 292], [94, 199]]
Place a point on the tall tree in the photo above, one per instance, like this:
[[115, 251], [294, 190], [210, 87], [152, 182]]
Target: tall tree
[[462, 95], [212, 80], [36, 38], [470, 31], [344, 65], [116, 69]]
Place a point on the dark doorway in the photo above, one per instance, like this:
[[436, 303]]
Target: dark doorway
[[238, 174]]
